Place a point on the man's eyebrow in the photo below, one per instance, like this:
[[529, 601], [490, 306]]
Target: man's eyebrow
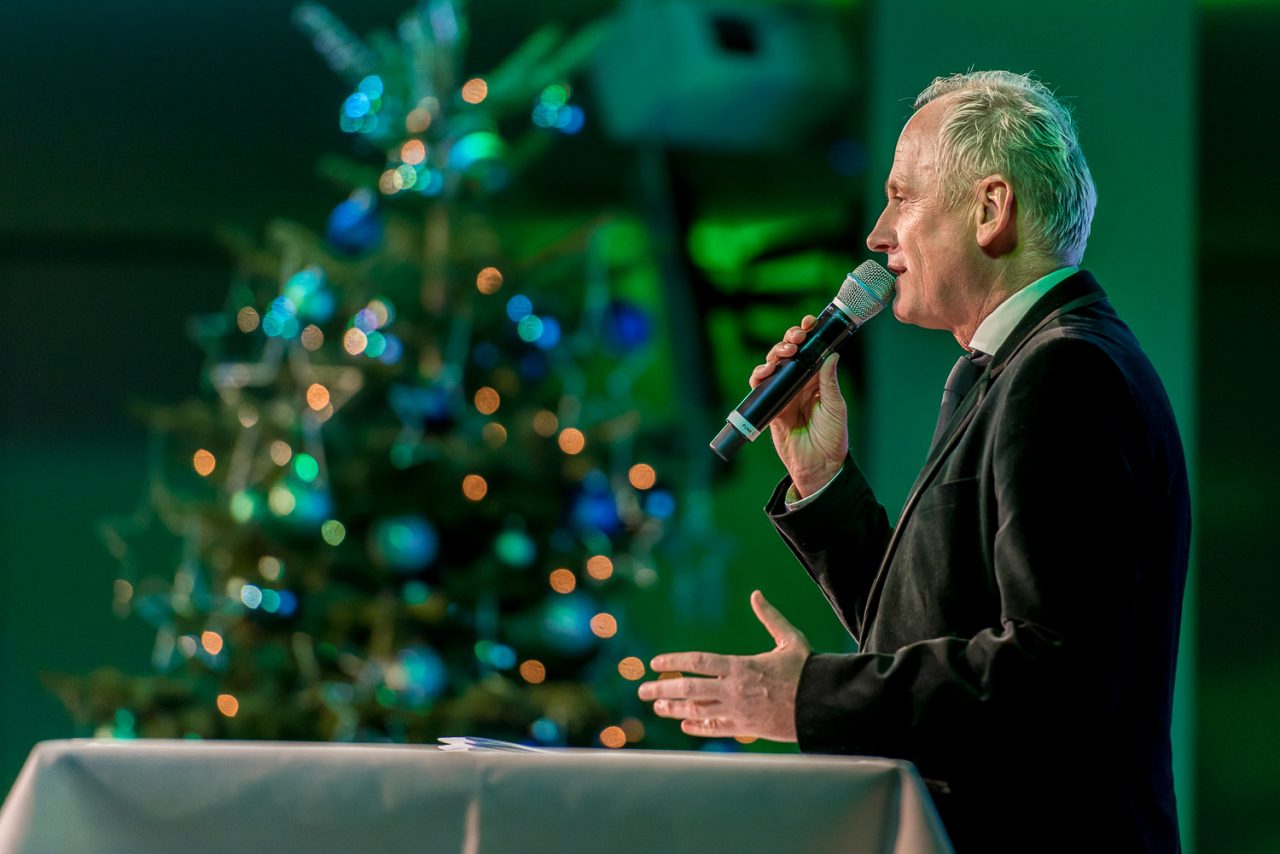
[[891, 183]]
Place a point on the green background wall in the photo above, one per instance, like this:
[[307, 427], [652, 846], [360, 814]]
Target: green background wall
[[133, 129]]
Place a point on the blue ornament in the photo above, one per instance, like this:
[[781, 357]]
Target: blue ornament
[[425, 676], [550, 335], [660, 504], [595, 506], [566, 623], [354, 226], [404, 543], [311, 506], [417, 406], [547, 731], [627, 326]]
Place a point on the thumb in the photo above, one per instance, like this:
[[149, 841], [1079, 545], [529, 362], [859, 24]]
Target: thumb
[[783, 632], [828, 385]]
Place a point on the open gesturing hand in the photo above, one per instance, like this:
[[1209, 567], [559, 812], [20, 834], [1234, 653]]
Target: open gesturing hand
[[746, 695]]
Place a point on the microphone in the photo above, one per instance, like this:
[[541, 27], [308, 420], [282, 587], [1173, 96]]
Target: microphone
[[865, 291]]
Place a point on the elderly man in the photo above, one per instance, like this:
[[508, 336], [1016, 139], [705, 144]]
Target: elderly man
[[1018, 627]]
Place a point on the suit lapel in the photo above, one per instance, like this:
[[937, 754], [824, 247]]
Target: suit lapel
[[1074, 292]]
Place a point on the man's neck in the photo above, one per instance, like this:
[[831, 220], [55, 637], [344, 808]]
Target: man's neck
[[1006, 282]]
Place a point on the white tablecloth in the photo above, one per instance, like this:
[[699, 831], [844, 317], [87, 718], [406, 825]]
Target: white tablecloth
[[185, 796]]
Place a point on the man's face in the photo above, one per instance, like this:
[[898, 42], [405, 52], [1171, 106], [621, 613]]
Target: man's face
[[927, 246]]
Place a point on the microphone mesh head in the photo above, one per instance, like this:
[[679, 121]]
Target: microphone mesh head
[[866, 290]]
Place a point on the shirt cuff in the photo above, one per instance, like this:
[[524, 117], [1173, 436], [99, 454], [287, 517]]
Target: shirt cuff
[[793, 501]]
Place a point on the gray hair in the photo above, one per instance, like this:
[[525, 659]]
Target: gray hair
[[1006, 123]]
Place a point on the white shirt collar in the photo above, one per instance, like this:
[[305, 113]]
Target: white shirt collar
[[993, 331]]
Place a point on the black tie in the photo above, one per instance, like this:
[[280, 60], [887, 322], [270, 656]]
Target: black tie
[[962, 377]]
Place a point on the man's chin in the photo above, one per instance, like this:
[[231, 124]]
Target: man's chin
[[900, 311]]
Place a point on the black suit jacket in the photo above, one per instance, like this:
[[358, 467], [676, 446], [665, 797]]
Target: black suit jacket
[[1018, 627]]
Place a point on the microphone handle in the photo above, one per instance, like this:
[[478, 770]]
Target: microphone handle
[[769, 398]]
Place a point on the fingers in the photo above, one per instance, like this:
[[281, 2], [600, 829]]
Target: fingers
[[784, 349], [702, 663], [681, 689], [680, 709], [710, 727], [779, 627]]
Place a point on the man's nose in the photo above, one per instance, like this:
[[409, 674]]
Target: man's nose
[[881, 237]]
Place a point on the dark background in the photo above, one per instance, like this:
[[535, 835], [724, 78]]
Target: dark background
[[132, 130]]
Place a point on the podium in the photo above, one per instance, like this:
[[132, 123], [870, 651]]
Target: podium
[[217, 796]]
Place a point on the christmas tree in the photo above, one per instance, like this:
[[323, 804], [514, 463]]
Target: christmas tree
[[418, 489]]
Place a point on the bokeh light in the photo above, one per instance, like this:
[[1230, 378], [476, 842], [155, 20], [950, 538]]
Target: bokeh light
[[495, 435], [599, 567], [563, 581], [204, 462], [613, 736], [371, 86], [333, 532], [555, 96], [243, 505], [631, 668], [354, 341], [519, 307], [545, 423], [418, 120], [356, 106], [306, 467], [745, 739], [413, 152], [475, 90], [383, 311], [271, 568], [487, 400], [529, 328], [405, 543], [408, 176], [251, 595], [211, 641], [281, 453], [604, 625], [390, 183], [281, 500], [634, 729], [572, 441], [270, 600], [474, 487], [312, 337], [515, 547], [533, 671], [489, 280], [228, 705], [247, 319], [317, 396], [642, 476]]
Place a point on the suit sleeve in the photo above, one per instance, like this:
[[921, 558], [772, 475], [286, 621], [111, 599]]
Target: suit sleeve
[[1070, 473], [839, 538]]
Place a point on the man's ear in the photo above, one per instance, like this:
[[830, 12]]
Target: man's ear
[[996, 216]]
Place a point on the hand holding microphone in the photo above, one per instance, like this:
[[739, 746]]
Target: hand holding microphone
[[810, 433], [797, 396]]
